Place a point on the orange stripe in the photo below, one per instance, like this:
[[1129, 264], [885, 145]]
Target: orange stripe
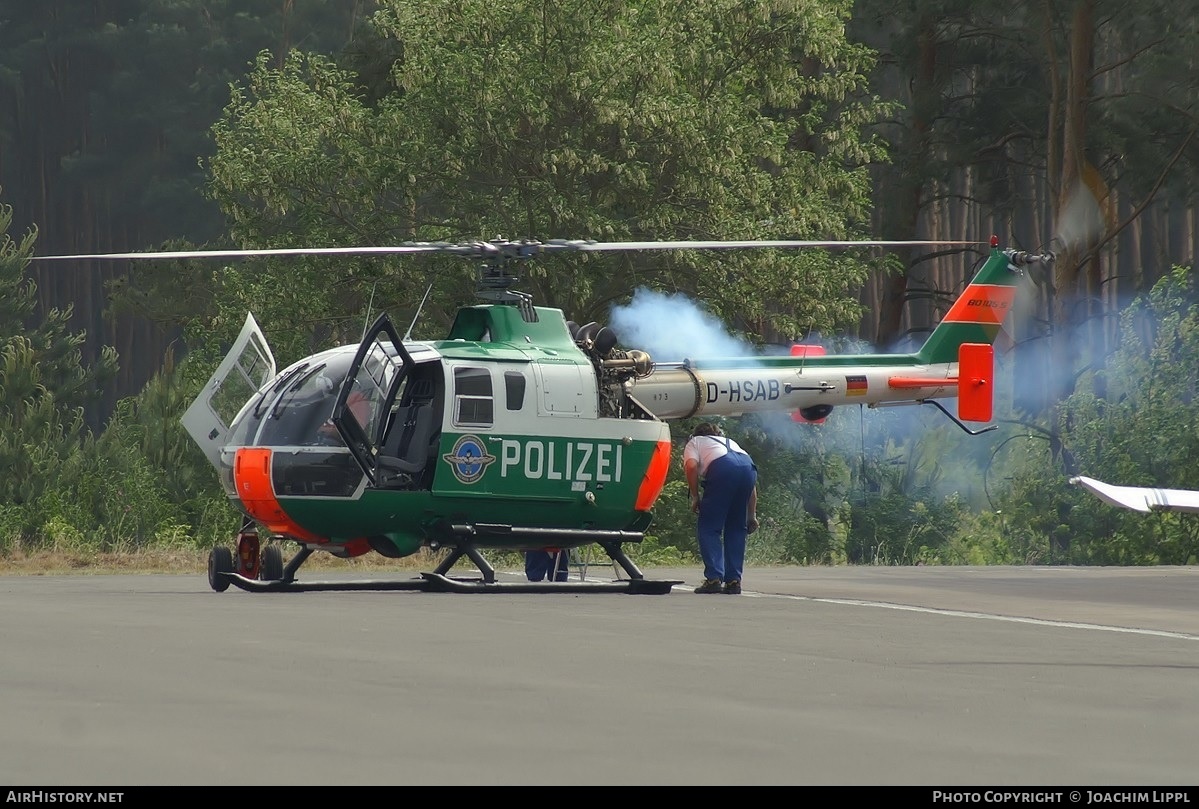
[[918, 382], [252, 477], [982, 303], [655, 477]]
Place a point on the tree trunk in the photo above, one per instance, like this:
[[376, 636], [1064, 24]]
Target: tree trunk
[[1073, 263], [904, 207]]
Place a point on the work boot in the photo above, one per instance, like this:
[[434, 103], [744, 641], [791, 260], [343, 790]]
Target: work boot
[[733, 587], [709, 586]]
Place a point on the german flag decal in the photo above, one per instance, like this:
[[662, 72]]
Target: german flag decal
[[855, 386]]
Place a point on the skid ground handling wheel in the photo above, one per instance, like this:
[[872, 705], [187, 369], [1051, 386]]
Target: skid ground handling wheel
[[272, 563], [220, 568], [250, 562]]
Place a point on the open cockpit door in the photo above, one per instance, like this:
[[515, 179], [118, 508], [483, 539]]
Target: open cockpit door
[[247, 367], [368, 394]]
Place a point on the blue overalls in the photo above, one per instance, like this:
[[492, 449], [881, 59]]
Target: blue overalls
[[723, 509], [547, 565]]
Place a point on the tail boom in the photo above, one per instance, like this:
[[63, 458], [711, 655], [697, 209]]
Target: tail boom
[[794, 385], [957, 360]]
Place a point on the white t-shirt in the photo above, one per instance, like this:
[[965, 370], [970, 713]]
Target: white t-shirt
[[703, 449]]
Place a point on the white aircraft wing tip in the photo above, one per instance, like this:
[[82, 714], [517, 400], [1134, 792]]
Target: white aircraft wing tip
[[1123, 496], [1141, 498]]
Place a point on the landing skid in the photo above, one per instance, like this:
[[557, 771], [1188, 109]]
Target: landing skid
[[444, 584], [221, 575], [437, 583]]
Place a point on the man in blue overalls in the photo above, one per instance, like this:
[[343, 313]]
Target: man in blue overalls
[[547, 565], [728, 508]]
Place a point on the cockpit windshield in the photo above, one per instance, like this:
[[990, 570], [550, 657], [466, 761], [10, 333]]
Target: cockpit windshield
[[294, 409]]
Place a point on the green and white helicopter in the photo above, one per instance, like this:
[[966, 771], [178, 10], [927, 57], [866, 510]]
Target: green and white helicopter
[[520, 430]]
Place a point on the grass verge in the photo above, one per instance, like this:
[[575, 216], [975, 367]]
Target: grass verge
[[180, 560]]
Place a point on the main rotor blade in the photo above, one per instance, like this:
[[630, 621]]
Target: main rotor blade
[[281, 251], [587, 246], [502, 248]]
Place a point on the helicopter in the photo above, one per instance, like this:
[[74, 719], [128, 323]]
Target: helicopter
[[519, 430]]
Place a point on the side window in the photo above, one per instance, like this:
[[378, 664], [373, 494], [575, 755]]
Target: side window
[[514, 389], [473, 404]]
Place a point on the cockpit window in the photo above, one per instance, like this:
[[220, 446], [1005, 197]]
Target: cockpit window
[[514, 386], [282, 383], [299, 414], [371, 387], [312, 384], [295, 409], [473, 404]]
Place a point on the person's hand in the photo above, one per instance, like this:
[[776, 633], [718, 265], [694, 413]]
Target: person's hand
[[695, 503], [751, 525]]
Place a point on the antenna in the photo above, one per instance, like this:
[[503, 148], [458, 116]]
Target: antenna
[[408, 334], [803, 360], [367, 320]]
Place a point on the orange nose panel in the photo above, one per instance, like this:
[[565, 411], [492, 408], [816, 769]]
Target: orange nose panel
[[252, 477], [655, 477]]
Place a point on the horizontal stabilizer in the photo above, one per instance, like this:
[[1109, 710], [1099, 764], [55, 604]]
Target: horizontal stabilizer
[[1143, 499]]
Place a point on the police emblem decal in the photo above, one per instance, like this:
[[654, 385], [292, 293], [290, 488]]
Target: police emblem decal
[[469, 459]]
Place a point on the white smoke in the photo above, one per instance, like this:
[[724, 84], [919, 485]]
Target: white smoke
[[671, 328], [1081, 219]]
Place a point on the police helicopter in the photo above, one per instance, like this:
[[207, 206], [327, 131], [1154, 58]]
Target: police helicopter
[[519, 430]]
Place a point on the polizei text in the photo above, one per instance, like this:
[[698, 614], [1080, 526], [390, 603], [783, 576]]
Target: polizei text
[[562, 460]]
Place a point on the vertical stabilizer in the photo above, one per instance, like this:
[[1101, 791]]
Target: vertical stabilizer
[[978, 313]]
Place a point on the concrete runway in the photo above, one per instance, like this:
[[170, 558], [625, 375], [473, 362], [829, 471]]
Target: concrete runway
[[927, 676]]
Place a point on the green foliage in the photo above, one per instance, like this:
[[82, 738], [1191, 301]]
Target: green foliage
[[787, 533], [655, 120], [611, 121], [898, 522], [978, 540], [114, 493], [36, 438], [149, 425], [1140, 431], [110, 103], [651, 552], [63, 487], [674, 523], [43, 386], [42, 360]]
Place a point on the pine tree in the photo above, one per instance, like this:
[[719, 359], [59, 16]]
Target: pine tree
[[44, 386]]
